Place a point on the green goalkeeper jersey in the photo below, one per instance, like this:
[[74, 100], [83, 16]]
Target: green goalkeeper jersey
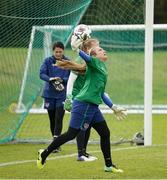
[[80, 81], [95, 82]]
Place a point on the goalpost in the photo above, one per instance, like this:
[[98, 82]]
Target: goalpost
[[148, 72]]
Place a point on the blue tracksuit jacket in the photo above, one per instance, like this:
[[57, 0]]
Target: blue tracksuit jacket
[[47, 71]]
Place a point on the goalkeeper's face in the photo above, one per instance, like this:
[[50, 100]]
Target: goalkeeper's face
[[58, 53], [100, 53]]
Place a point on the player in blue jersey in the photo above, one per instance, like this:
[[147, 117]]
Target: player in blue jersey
[[85, 111], [54, 92]]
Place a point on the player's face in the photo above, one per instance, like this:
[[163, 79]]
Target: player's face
[[101, 54], [58, 53]]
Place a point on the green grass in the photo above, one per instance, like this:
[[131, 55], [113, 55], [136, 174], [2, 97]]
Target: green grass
[[137, 162], [145, 163]]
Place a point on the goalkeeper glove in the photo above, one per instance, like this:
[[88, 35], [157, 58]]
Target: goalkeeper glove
[[119, 112], [75, 42], [68, 103], [57, 83]]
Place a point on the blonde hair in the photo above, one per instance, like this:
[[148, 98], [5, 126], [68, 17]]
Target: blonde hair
[[88, 44]]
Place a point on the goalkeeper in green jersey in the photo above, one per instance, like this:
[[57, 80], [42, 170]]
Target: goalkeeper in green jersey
[[85, 109], [75, 83]]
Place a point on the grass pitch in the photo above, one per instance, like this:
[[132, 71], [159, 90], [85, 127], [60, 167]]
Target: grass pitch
[[18, 161], [137, 162]]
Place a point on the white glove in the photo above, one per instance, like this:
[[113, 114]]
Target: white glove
[[75, 42], [57, 79], [119, 112]]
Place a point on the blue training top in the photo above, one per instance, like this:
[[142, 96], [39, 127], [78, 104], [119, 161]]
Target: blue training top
[[47, 71]]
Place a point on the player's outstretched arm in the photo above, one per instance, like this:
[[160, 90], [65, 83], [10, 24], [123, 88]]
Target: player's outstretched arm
[[70, 65], [84, 56], [106, 99], [119, 112]]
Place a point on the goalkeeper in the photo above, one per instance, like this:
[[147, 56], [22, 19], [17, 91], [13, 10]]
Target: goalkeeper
[[85, 105], [75, 83], [54, 92]]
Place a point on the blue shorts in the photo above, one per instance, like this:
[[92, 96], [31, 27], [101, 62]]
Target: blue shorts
[[51, 104], [84, 114]]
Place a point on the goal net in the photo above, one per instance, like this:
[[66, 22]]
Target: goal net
[[119, 26]]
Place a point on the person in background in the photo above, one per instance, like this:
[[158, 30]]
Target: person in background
[[54, 92]]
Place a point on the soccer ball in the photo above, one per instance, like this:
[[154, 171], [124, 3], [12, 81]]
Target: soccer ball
[[82, 31], [138, 139]]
